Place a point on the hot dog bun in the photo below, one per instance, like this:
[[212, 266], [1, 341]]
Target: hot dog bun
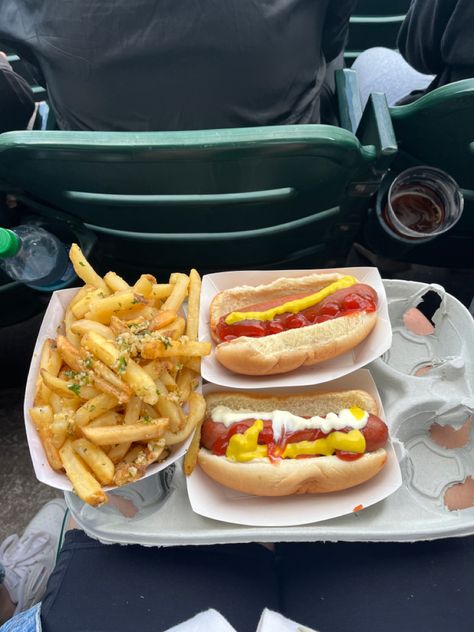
[[320, 474], [288, 350]]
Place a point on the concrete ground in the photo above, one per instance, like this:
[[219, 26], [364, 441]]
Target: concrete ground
[[21, 495]]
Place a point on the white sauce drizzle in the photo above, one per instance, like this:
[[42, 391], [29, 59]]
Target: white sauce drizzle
[[284, 421]]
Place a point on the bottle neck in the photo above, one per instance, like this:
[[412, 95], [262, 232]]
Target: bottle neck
[[10, 243]]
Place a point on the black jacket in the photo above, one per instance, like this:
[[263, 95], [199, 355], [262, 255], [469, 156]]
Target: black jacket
[[16, 99], [437, 37], [187, 64]]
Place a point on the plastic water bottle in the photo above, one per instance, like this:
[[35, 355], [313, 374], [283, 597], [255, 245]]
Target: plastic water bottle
[[35, 257]]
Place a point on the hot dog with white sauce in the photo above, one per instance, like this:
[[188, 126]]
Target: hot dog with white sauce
[[291, 322], [297, 444]]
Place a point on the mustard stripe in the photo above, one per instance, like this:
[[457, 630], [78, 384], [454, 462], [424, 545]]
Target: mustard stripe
[[292, 306]]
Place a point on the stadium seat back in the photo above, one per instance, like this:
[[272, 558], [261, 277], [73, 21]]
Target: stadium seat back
[[215, 199]]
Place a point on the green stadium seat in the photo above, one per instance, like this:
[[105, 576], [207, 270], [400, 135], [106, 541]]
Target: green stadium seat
[[276, 197]]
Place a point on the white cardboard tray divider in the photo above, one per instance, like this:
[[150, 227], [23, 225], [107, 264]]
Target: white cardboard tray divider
[[415, 511]]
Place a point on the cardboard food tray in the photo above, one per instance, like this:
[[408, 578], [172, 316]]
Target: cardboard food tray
[[212, 500], [371, 348], [50, 327], [416, 511]]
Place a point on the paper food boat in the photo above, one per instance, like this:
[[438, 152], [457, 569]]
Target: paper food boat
[[50, 327], [212, 500], [376, 344]]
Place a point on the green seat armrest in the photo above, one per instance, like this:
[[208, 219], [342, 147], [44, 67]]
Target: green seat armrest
[[375, 128], [348, 99]]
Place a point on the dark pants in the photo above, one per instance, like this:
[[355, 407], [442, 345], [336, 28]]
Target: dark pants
[[342, 587]]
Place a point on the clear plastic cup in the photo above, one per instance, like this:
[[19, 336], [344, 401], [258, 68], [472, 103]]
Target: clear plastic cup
[[422, 203]]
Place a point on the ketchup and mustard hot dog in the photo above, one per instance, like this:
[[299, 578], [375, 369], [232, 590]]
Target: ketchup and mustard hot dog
[[302, 443], [278, 327]]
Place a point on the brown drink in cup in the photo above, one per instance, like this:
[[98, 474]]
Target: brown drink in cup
[[422, 202]]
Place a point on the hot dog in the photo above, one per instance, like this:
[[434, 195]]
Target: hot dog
[[278, 327], [297, 444]]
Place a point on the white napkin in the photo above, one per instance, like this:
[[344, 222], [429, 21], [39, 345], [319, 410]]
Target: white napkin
[[271, 621], [213, 621], [207, 621]]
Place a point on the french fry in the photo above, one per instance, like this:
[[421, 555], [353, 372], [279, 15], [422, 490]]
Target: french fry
[[115, 282], [70, 354], [61, 426], [144, 285], [161, 290], [168, 380], [60, 404], [160, 388], [194, 364], [178, 293], [42, 417], [172, 411], [141, 382], [174, 330], [147, 412], [155, 368], [104, 349], [81, 292], [108, 435], [132, 411], [85, 485], [186, 382], [50, 361], [139, 315], [94, 408], [118, 451], [84, 270], [83, 326], [136, 460], [61, 387], [194, 295], [132, 414], [174, 277], [96, 459], [111, 418], [111, 383], [190, 458], [82, 306], [197, 410], [117, 327], [103, 309], [168, 348], [162, 319], [69, 320]]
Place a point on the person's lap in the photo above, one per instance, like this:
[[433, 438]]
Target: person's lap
[[374, 587], [384, 70], [113, 587], [333, 587]]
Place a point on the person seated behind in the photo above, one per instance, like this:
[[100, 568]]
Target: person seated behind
[[436, 48], [175, 66], [436, 39], [17, 104]]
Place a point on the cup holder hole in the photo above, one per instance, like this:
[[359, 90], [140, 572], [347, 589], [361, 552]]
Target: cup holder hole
[[430, 305]]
